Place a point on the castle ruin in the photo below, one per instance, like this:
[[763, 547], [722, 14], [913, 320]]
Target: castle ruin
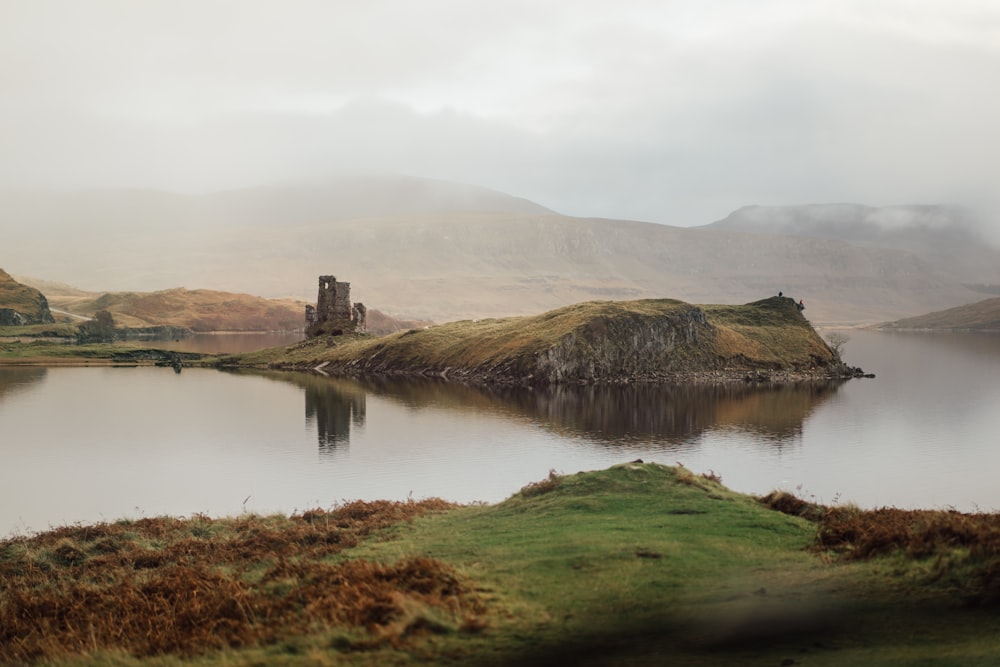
[[333, 313]]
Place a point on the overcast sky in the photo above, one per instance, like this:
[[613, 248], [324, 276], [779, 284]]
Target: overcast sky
[[672, 112]]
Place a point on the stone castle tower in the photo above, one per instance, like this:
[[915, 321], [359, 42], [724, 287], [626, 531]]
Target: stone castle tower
[[333, 312]]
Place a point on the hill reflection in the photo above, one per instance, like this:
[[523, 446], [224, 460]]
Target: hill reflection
[[771, 413], [614, 415], [14, 379]]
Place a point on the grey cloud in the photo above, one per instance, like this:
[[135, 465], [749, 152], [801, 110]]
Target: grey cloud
[[647, 110]]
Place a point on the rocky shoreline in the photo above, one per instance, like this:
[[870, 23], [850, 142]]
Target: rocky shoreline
[[836, 372]]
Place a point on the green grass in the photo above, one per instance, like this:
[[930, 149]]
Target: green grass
[[771, 330], [640, 564], [40, 331]]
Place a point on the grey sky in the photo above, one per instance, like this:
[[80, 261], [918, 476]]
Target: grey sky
[[673, 112]]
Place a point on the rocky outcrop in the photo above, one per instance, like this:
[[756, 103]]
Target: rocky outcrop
[[11, 318], [21, 305], [618, 349]]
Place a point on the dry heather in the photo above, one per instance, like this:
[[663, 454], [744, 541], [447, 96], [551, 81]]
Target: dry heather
[[162, 585], [962, 549]]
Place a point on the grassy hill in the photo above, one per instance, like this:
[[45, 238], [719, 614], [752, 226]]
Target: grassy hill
[[640, 564], [20, 304], [980, 316], [600, 341], [198, 310]]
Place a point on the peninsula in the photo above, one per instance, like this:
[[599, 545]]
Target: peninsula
[[612, 342]]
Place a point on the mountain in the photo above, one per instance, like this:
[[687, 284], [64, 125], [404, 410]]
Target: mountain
[[20, 304], [946, 237], [431, 250], [980, 316]]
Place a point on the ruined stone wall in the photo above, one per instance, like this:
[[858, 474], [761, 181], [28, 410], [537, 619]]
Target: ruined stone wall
[[333, 302], [333, 310]]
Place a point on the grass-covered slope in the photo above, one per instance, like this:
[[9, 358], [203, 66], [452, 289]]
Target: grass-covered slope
[[20, 304], [597, 341], [640, 564], [198, 310]]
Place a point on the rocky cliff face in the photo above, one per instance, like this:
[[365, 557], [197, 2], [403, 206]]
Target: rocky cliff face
[[21, 305], [611, 349]]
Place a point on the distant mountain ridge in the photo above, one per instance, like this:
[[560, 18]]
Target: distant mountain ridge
[[851, 222], [982, 316], [945, 236], [431, 250]]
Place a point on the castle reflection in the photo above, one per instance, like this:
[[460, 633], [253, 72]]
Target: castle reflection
[[335, 406]]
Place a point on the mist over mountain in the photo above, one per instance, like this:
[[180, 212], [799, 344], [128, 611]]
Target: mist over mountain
[[423, 249], [949, 237]]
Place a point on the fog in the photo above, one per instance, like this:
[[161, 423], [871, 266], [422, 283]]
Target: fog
[[665, 112]]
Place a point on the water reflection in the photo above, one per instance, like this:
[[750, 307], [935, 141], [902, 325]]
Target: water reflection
[[676, 414], [14, 379], [612, 416], [227, 343], [922, 434], [334, 405]]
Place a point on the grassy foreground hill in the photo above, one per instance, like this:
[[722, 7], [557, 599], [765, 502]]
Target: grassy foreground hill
[[640, 564], [597, 341]]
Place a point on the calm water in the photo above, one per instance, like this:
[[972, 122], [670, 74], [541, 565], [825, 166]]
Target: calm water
[[93, 444], [229, 343]]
